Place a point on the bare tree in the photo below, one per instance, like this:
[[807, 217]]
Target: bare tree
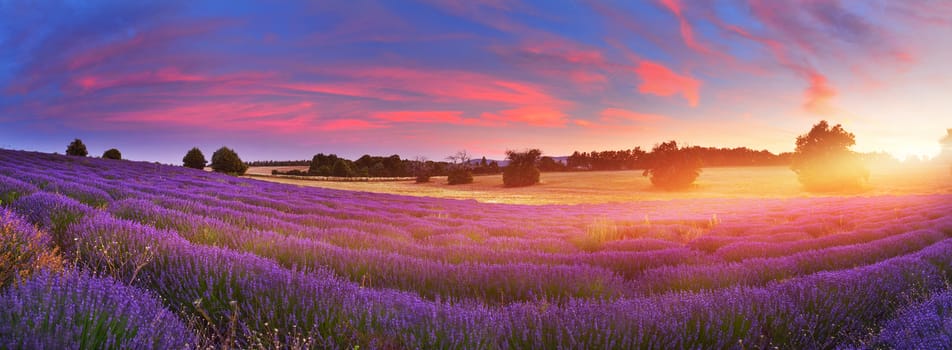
[[460, 157]]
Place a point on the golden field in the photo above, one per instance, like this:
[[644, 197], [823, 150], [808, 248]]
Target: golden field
[[630, 185]]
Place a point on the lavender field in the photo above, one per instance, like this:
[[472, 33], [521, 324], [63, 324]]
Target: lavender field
[[101, 253]]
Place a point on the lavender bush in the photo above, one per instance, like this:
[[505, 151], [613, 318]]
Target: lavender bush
[[76, 310], [255, 264]]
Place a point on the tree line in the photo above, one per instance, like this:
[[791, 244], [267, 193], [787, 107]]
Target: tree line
[[637, 158], [822, 161]]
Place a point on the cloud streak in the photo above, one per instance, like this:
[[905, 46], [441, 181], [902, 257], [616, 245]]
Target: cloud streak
[[286, 71]]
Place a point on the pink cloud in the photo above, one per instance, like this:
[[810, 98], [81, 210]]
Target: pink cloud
[[656, 79], [436, 117], [347, 125], [818, 95], [532, 115], [687, 32]]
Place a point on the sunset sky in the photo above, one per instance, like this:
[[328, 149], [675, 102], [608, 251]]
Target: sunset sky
[[427, 78]]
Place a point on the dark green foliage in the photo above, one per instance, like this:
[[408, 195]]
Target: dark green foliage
[[421, 169], [823, 160], [225, 160], [459, 176], [637, 158], [112, 153], [673, 168], [76, 148], [522, 170], [194, 159], [460, 172], [342, 169], [322, 164], [550, 164]]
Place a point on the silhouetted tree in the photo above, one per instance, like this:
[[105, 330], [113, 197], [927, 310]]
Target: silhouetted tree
[[421, 169], [946, 154], [637, 158], [522, 169], [459, 172], [76, 148], [225, 160], [672, 168], [194, 159], [112, 153], [823, 160], [550, 164]]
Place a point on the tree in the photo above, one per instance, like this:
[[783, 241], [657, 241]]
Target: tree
[[522, 170], [194, 159], [342, 168], [672, 168], [322, 164], [421, 169], [76, 148], [550, 164], [460, 172], [823, 160], [112, 153], [225, 160], [946, 143]]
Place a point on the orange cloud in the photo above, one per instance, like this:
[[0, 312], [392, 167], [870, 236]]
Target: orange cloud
[[614, 114], [657, 79]]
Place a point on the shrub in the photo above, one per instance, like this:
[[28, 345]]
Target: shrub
[[74, 310], [225, 160], [112, 153], [672, 168], [76, 148], [194, 159], [24, 250], [459, 176], [422, 170], [824, 162], [522, 170]]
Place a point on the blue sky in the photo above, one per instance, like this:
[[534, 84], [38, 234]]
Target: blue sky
[[426, 78]]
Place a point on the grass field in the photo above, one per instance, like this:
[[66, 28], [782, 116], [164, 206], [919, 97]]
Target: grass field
[[628, 186]]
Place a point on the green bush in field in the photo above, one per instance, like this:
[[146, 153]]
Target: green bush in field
[[823, 160], [672, 168], [76, 148], [225, 160], [459, 176], [522, 169], [112, 153], [194, 159]]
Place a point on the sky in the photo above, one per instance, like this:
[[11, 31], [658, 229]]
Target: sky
[[286, 80]]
